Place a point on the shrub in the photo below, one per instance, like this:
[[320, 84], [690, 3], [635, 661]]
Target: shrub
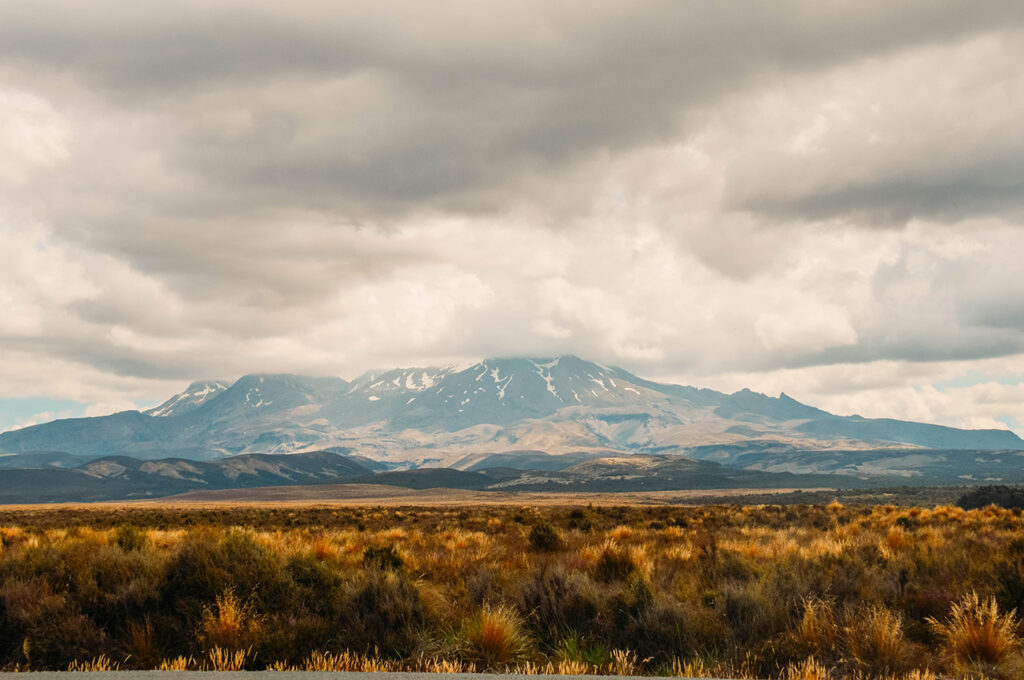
[[575, 648], [545, 538], [129, 537], [384, 612], [60, 637], [1009, 573], [578, 520], [382, 557], [555, 601], [317, 583], [143, 649], [613, 564], [203, 568]]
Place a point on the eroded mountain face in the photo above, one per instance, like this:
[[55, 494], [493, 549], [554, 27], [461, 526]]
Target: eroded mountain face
[[454, 415]]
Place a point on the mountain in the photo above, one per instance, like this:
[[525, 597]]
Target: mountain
[[659, 473], [40, 460], [547, 414], [194, 396], [123, 477], [325, 475]]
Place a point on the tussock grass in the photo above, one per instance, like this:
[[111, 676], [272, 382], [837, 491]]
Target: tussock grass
[[494, 639], [836, 592], [976, 636]]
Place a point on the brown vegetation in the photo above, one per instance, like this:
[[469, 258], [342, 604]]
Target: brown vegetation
[[797, 592]]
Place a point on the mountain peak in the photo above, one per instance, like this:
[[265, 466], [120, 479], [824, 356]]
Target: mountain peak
[[196, 394], [557, 404]]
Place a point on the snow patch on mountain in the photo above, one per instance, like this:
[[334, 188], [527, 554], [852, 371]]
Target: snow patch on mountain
[[194, 395]]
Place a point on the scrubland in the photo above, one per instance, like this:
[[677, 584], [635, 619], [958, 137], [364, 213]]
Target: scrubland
[[798, 592]]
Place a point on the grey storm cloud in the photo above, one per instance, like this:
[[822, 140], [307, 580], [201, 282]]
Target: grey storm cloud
[[366, 108], [693, 188]]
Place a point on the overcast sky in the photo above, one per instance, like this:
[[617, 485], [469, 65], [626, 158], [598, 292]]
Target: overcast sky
[[820, 198]]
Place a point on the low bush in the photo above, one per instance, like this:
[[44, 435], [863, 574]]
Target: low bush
[[613, 564], [727, 591], [545, 538], [382, 557]]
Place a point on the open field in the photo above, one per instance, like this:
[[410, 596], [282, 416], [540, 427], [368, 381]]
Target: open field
[[799, 591]]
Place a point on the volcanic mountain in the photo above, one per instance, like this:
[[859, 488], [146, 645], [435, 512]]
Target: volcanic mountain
[[515, 408]]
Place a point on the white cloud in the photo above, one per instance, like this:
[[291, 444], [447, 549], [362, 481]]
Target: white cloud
[[822, 200], [33, 135]]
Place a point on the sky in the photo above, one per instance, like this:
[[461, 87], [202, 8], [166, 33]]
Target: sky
[[820, 198]]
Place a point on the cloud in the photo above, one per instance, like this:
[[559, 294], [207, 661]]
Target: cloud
[[211, 189], [930, 133]]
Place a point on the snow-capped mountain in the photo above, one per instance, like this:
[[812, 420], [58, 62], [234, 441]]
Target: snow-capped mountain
[[193, 396], [440, 416]]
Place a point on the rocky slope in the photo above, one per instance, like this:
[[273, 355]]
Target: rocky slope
[[418, 417]]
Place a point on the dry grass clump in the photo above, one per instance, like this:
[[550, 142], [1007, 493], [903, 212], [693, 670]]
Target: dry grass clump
[[808, 669], [818, 630], [229, 625], [178, 663], [839, 591], [614, 563], [494, 639], [875, 641], [976, 635], [100, 663], [346, 662], [220, 659]]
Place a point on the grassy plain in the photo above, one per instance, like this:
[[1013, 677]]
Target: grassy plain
[[582, 586]]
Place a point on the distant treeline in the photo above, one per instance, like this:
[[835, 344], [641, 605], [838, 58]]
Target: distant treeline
[[1001, 495]]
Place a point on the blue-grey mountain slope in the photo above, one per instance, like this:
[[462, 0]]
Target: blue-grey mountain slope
[[124, 477], [434, 417]]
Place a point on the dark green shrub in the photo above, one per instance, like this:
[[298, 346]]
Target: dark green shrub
[[46, 630], [614, 564], [545, 538], [203, 568], [578, 520], [383, 557], [384, 612], [554, 601], [318, 584], [656, 628], [129, 537]]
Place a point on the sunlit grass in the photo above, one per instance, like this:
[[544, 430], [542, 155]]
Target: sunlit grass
[[835, 592]]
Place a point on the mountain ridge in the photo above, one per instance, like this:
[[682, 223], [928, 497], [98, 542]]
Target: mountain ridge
[[435, 416]]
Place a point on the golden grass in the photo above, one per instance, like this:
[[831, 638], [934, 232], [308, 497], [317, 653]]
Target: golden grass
[[495, 638], [839, 592], [229, 625], [100, 663], [875, 641], [976, 633]]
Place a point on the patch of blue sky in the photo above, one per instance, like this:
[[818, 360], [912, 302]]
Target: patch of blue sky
[[971, 378], [1011, 422], [15, 413]]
